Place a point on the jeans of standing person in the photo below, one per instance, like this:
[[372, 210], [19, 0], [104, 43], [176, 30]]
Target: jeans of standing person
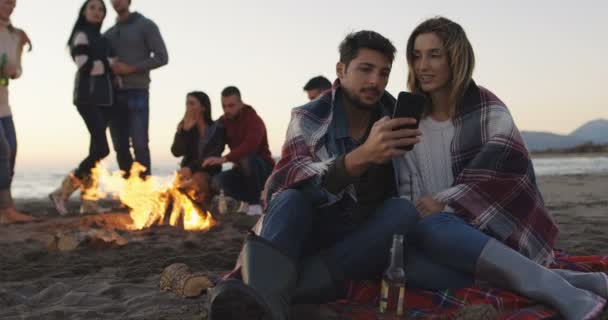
[[352, 251], [135, 103], [96, 119], [8, 152], [442, 252], [118, 122], [245, 181]]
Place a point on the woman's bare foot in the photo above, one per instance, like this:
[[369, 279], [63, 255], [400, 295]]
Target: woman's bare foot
[[11, 215]]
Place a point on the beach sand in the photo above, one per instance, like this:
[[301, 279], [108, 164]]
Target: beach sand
[[114, 280]]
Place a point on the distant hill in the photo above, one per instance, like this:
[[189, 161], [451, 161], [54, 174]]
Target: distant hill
[[595, 131], [539, 141]]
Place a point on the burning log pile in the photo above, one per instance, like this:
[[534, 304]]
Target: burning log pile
[[149, 199]]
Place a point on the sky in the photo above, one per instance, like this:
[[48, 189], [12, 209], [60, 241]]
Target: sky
[[545, 59]]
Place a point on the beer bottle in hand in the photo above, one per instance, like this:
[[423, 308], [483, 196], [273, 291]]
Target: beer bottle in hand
[[3, 78]]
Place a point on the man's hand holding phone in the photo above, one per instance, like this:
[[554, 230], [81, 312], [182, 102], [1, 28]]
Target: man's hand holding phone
[[385, 142], [387, 139]]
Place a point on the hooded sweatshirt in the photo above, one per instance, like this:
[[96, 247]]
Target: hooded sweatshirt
[[246, 135], [137, 41]]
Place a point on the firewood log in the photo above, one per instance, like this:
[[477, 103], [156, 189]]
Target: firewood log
[[178, 279], [68, 242]]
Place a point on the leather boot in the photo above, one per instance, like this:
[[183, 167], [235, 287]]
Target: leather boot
[[505, 267], [60, 195], [269, 278]]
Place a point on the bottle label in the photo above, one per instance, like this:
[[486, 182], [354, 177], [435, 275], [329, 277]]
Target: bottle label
[[392, 298], [3, 78], [400, 301], [383, 297]]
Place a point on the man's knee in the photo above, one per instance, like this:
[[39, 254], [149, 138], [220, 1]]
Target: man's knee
[[248, 164], [290, 198], [291, 201], [287, 210]]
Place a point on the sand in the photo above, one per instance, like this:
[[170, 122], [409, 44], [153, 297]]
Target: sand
[[108, 280]]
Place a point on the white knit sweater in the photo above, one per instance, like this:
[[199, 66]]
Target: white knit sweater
[[426, 171]]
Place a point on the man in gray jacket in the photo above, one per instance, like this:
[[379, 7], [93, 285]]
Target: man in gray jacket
[[138, 48]]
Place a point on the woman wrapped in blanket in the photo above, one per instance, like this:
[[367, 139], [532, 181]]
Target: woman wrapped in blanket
[[473, 184]]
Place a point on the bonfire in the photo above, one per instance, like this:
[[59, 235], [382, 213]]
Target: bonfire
[[150, 199]]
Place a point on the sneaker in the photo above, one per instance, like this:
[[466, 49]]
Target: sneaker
[[243, 207], [254, 210], [58, 203]]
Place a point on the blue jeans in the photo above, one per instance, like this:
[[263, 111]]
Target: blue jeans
[[353, 251], [8, 152], [245, 181], [135, 104], [96, 120], [442, 252]]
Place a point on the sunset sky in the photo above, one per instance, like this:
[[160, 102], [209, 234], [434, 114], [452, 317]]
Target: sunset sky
[[545, 59]]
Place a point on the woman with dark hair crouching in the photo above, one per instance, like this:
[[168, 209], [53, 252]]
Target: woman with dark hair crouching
[[198, 137]]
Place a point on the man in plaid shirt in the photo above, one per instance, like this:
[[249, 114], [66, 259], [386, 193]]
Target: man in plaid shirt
[[331, 206]]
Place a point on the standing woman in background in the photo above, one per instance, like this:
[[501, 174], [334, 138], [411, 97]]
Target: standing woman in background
[[12, 41], [94, 99]]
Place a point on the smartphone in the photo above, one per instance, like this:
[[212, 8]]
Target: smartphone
[[409, 105]]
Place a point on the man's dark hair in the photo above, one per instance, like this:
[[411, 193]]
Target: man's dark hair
[[231, 91], [319, 82], [349, 48]]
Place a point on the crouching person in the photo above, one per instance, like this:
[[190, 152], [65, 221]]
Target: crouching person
[[331, 209], [198, 138]]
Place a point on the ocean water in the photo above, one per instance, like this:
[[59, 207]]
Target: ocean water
[[38, 183]]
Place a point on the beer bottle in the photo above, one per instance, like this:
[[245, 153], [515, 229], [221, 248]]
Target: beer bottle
[[3, 78], [222, 204], [393, 282]]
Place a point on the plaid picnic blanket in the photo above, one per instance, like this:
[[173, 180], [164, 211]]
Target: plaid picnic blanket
[[362, 301]]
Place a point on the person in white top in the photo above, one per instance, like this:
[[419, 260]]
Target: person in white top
[[12, 41], [473, 184]]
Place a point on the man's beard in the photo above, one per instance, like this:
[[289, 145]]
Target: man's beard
[[232, 116], [357, 103]]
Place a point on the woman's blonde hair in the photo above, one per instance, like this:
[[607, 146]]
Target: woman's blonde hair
[[461, 58]]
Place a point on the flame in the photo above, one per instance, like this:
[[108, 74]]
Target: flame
[[148, 199]]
